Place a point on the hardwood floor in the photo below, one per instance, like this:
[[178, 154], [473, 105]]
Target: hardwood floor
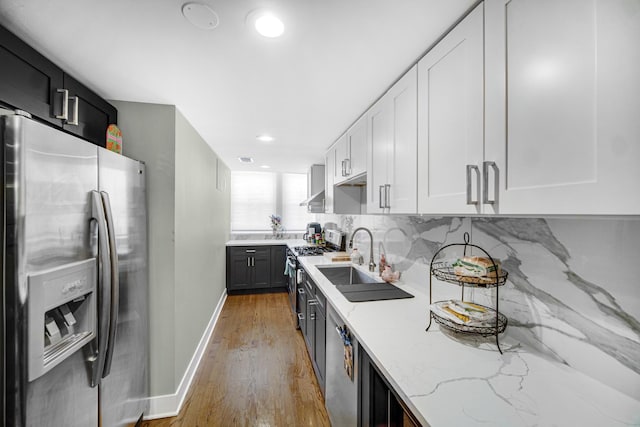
[[255, 371]]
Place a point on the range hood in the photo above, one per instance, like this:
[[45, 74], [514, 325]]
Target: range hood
[[313, 199], [315, 190]]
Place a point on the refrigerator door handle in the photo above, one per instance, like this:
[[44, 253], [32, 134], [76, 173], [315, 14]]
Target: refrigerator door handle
[[104, 294], [115, 283]]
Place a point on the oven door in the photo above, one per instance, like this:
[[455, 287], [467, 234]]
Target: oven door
[[292, 275]]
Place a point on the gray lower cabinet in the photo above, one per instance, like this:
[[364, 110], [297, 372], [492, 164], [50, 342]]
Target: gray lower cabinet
[[379, 405], [315, 327], [278, 260], [255, 268]]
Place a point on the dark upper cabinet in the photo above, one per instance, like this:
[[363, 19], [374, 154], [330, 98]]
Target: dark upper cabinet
[[94, 114], [278, 260], [30, 82]]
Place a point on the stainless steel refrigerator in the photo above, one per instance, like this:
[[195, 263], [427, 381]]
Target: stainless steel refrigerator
[[74, 272]]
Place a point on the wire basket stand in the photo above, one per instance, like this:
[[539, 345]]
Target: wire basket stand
[[444, 271]]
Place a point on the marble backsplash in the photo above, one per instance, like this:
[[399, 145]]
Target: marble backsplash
[[573, 292]]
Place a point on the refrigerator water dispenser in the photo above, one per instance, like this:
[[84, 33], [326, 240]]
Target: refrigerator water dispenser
[[62, 314]]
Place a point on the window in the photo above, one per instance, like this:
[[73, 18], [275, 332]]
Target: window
[[294, 190], [257, 195], [253, 200]]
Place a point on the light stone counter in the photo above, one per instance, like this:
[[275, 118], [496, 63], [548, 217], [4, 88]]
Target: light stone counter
[[450, 381], [268, 242]]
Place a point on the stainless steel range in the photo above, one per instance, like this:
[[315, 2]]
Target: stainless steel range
[[311, 250], [335, 242]]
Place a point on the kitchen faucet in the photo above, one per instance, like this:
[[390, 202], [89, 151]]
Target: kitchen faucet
[[372, 265]]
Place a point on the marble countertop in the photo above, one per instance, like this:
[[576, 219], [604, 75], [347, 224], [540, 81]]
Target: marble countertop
[[446, 380], [268, 242]]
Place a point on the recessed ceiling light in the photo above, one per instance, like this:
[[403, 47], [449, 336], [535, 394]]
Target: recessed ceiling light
[[265, 138], [245, 159], [266, 23], [200, 15], [265, 166]]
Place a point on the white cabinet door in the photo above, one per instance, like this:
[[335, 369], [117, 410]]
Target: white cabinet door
[[563, 105], [357, 146], [351, 152], [402, 177], [392, 130], [450, 120], [341, 152], [330, 167], [380, 124]]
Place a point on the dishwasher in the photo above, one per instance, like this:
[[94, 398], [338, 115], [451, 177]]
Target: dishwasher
[[341, 390]]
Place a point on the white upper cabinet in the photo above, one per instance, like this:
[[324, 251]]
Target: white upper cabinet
[[450, 121], [329, 172], [338, 152], [392, 131], [563, 106], [357, 141], [351, 152]]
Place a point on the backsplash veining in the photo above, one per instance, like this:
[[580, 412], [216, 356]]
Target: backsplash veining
[[573, 292]]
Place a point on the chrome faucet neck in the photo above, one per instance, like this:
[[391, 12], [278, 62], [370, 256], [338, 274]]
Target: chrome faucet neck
[[372, 265]]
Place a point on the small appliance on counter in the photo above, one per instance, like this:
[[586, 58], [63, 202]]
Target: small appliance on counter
[[313, 228], [336, 240]]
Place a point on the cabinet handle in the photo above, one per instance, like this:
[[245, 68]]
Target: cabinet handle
[[301, 291], [65, 104], [380, 205], [250, 251], [253, 261], [312, 316], [300, 316], [312, 302], [485, 174], [344, 167], [248, 261], [348, 162], [74, 121], [470, 200], [387, 198]]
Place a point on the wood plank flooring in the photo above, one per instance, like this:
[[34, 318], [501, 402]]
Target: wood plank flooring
[[255, 371]]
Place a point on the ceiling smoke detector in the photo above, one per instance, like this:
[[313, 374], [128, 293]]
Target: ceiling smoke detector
[[200, 15], [245, 159]]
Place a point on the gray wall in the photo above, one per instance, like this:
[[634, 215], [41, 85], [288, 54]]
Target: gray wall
[[188, 228], [202, 225], [572, 294]]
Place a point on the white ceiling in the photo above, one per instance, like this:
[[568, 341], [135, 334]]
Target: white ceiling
[[305, 88]]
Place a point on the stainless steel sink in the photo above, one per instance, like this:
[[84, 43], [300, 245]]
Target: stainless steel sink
[[346, 275], [357, 286]]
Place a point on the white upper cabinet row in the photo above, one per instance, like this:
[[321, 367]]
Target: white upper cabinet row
[[528, 108]]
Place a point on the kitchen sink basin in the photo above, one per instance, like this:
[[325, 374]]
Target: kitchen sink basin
[[357, 286], [346, 275]]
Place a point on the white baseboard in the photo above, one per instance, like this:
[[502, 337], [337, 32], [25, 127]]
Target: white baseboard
[[169, 405]]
